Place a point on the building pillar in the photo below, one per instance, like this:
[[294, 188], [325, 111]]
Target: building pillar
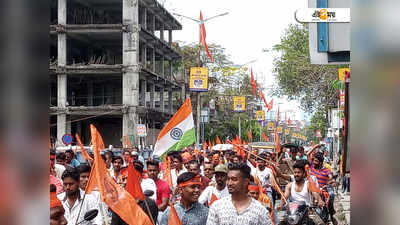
[[170, 106], [144, 18], [130, 59], [153, 23], [170, 36], [170, 69], [153, 60], [152, 90], [90, 92], [62, 78], [162, 105], [143, 92], [144, 54], [162, 31], [162, 69]]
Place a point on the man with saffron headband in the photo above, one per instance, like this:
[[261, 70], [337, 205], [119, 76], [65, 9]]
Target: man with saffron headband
[[56, 208], [189, 210], [256, 193]]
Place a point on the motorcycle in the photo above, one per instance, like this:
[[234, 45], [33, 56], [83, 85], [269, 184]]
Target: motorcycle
[[297, 213]]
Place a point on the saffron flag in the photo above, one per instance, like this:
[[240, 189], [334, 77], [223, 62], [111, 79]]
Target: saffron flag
[[289, 121], [179, 131], [117, 198], [253, 83], [213, 199], [264, 137], [203, 37], [133, 183], [270, 105], [84, 153], [218, 140], [312, 186], [205, 146], [173, 218], [249, 135], [167, 171], [127, 142]]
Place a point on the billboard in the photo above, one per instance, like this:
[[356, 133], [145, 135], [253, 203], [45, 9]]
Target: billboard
[[239, 103], [260, 115], [198, 81]]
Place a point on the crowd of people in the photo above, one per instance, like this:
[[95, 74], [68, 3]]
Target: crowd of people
[[205, 187]]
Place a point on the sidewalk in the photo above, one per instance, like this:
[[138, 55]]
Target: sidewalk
[[342, 206]]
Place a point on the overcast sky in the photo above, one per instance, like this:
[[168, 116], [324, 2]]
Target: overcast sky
[[249, 27]]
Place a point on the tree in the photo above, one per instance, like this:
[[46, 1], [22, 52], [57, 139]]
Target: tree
[[225, 82], [297, 78]]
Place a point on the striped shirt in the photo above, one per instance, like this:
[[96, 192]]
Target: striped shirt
[[322, 175]]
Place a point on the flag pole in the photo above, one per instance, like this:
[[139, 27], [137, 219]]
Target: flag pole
[[148, 210]]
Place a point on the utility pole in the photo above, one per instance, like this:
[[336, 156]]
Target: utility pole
[[346, 121], [198, 98]]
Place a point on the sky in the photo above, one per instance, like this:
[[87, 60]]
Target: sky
[[249, 28]]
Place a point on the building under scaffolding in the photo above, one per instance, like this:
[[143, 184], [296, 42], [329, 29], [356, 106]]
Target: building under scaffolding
[[112, 64]]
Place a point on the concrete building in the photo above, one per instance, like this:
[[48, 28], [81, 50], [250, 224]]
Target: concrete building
[[112, 64]]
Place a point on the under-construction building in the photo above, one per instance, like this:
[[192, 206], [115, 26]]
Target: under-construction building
[[112, 64]]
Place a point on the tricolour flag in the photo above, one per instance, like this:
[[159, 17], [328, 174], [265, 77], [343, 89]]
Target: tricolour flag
[[179, 131]]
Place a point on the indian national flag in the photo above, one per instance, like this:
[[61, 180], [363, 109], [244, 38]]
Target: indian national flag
[[179, 131]]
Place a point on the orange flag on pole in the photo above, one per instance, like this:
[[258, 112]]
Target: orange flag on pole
[[173, 218], [117, 198], [218, 140], [249, 135], [84, 153], [205, 146], [203, 36], [127, 142], [270, 105], [264, 137], [312, 186], [133, 183], [167, 171], [253, 83]]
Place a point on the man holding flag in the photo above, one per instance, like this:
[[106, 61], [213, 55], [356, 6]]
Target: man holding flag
[[178, 133], [189, 210]]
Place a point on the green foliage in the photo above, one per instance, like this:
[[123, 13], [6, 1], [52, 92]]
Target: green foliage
[[319, 121], [313, 85], [225, 82]]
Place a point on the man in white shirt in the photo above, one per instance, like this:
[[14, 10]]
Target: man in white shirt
[[177, 168], [220, 190], [73, 197], [146, 183]]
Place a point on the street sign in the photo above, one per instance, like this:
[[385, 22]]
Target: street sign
[[287, 131], [198, 81], [67, 139], [239, 103], [270, 126], [141, 130], [323, 15], [260, 115], [280, 129]]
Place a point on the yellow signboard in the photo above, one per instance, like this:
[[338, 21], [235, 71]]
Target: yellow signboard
[[198, 81], [260, 115], [239, 103], [342, 73], [270, 126], [287, 131]]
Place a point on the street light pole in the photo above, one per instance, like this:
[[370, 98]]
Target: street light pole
[[198, 98]]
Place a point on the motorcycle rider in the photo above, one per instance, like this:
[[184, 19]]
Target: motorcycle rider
[[324, 178], [298, 190]]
